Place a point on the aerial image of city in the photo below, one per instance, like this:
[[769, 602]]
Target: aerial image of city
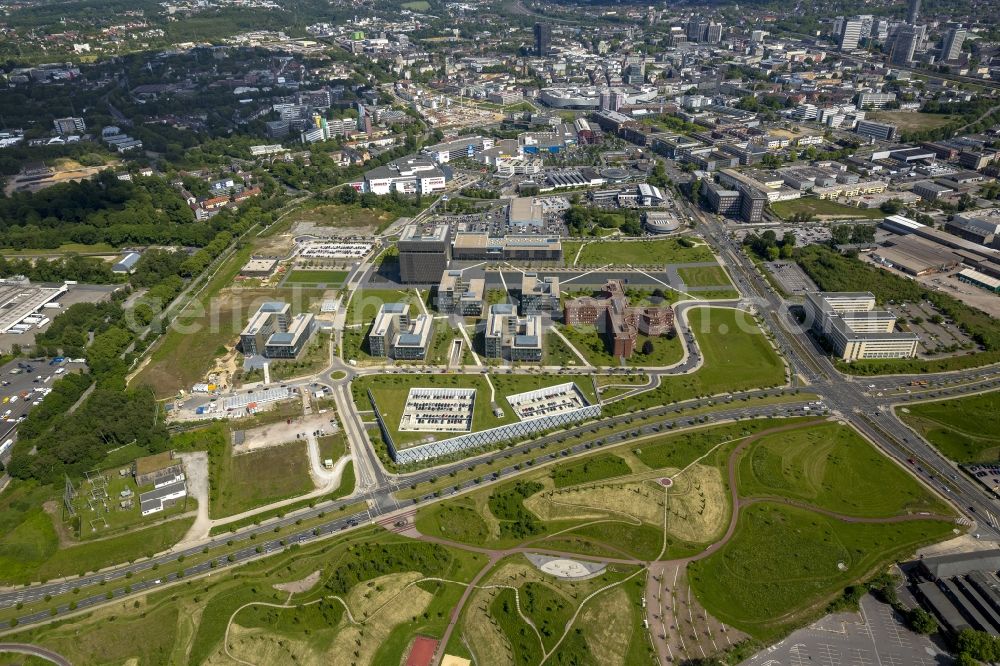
[[499, 333]]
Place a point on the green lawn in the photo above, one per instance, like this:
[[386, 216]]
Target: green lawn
[[332, 447], [704, 276], [244, 482], [591, 468], [594, 347], [965, 430], [782, 561], [737, 356], [390, 393], [823, 208], [832, 467], [329, 278], [365, 304], [639, 253], [417, 5], [909, 121], [557, 352]]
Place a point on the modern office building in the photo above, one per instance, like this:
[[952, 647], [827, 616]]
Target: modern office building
[[273, 333], [396, 335], [874, 130], [720, 200], [539, 295], [904, 45], [619, 323], [875, 100], [480, 246], [511, 337], [543, 39], [952, 46], [855, 329], [460, 295], [752, 203], [408, 175], [424, 253], [850, 34]]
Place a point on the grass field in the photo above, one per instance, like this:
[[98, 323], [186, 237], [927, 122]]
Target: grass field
[[390, 393], [593, 346], [823, 208], [639, 253], [833, 467], [249, 480], [704, 276], [909, 121], [417, 6], [328, 278], [783, 560], [344, 217], [368, 570], [737, 356], [960, 428]]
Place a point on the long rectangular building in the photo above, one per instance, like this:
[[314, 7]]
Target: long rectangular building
[[855, 329]]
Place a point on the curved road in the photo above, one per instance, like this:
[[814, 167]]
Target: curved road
[[35, 651]]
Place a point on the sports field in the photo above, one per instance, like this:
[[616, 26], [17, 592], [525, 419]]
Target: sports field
[[965, 430]]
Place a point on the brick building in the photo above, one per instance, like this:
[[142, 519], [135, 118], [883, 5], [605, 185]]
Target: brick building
[[616, 320]]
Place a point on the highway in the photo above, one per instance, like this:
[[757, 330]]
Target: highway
[[864, 402], [860, 405]]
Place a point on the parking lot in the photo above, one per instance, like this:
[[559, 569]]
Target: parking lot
[[874, 637], [790, 276], [29, 379], [936, 333]]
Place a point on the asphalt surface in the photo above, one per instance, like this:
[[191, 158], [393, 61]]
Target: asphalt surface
[[876, 636], [851, 399], [34, 651]]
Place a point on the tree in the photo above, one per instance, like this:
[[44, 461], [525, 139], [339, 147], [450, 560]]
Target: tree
[[921, 621], [347, 195], [647, 347], [890, 207]]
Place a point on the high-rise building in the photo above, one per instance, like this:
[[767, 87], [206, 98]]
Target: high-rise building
[[913, 12], [696, 27], [424, 253], [851, 34], [952, 47], [543, 39], [903, 46], [713, 33]]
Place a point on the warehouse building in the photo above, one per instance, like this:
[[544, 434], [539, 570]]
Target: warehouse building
[[855, 329], [524, 212], [424, 253], [259, 268], [962, 590], [977, 279], [916, 256]]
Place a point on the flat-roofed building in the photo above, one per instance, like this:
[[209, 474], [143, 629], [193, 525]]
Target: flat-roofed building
[[424, 253], [977, 279], [928, 190], [480, 246], [290, 342], [539, 295], [720, 200], [855, 329], [395, 334], [154, 469], [511, 337], [272, 317], [916, 256], [613, 317], [524, 212], [752, 203], [460, 295], [259, 268]]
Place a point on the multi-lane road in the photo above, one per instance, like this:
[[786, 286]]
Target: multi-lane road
[[867, 404]]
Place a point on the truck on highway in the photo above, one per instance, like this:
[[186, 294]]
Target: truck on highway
[[5, 447]]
